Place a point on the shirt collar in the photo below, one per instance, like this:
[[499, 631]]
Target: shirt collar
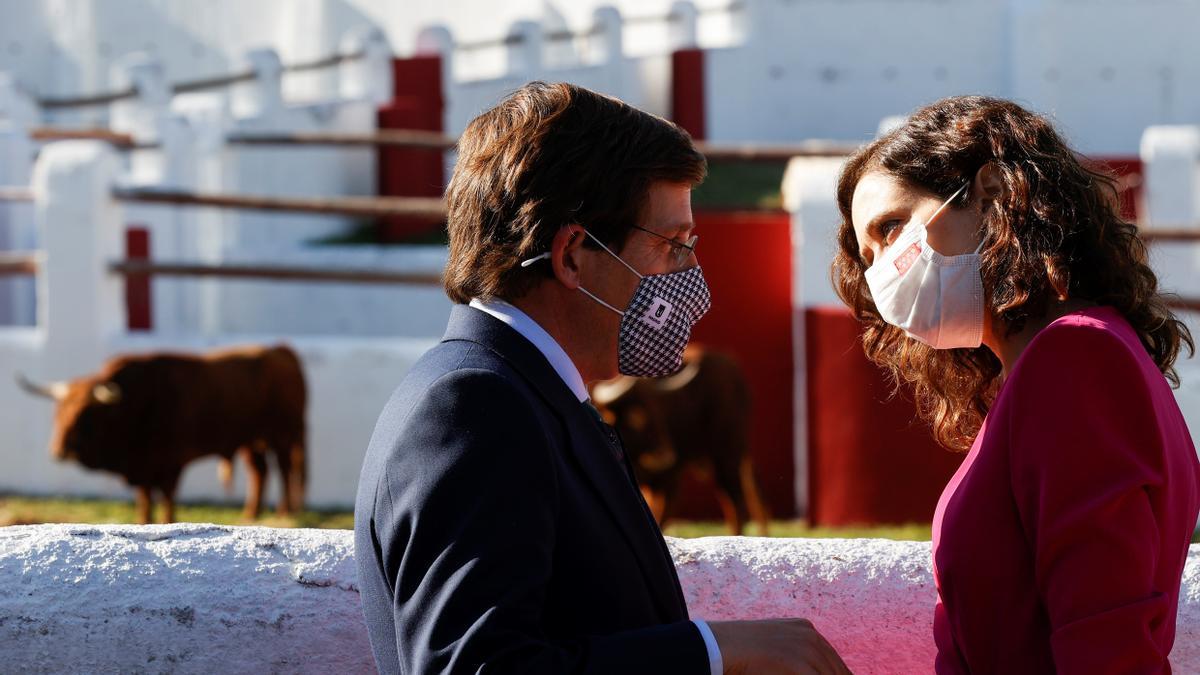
[[530, 330]]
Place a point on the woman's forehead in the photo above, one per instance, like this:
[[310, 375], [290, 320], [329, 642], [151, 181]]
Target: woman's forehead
[[877, 191]]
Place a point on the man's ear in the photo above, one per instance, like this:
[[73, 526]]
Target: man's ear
[[566, 255], [987, 186]]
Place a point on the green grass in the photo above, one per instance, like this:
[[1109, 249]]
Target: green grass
[[16, 510], [35, 510], [741, 185], [799, 528]]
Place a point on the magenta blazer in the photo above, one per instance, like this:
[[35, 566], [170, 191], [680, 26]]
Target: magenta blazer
[[1059, 544]]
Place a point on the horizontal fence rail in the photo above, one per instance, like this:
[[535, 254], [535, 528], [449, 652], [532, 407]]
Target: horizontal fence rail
[[19, 264], [422, 207], [273, 273], [773, 153], [1169, 234], [117, 139], [200, 84], [15, 193], [432, 140], [406, 138]]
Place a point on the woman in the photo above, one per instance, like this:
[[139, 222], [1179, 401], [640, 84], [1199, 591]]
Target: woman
[[995, 277]]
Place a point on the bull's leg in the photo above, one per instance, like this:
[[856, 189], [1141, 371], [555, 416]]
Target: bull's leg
[[167, 490], [727, 473], [144, 503], [283, 460], [656, 499], [256, 465], [669, 489], [758, 510], [168, 499], [299, 475]]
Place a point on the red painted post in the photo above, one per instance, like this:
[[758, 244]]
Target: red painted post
[[1129, 172], [138, 301], [418, 104], [687, 91]]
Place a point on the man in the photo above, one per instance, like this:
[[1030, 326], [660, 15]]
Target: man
[[498, 527]]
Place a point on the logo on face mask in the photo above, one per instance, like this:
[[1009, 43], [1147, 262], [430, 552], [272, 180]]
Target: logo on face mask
[[906, 260], [656, 317]]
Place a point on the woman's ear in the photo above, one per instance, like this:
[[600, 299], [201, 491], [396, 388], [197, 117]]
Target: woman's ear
[[566, 255], [987, 186]]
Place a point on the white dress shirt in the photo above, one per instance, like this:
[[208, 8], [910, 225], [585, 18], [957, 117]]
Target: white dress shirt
[[565, 367]]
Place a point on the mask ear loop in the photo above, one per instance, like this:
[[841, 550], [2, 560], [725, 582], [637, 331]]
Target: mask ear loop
[[946, 203], [546, 255]]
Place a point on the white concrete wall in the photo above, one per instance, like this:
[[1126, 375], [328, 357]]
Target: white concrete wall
[[205, 598], [1104, 69]]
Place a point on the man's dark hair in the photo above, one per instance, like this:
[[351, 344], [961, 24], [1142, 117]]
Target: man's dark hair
[[547, 156]]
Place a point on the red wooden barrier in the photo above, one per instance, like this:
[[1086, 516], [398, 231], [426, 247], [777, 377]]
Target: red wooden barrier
[[1129, 173], [870, 460], [138, 301], [687, 91], [410, 172], [747, 261]]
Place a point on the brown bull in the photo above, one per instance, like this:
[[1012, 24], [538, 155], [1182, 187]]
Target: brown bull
[[698, 417], [145, 417]]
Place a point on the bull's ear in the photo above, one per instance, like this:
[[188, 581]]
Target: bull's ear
[[107, 393]]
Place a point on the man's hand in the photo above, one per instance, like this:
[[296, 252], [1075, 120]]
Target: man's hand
[[782, 646]]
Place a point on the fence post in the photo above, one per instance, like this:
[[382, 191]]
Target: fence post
[[808, 190], [263, 97], [683, 33], [524, 52], [368, 77], [80, 225], [606, 43], [17, 232], [1171, 161], [16, 105]]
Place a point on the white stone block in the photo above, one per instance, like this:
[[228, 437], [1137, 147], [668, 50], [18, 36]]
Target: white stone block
[[204, 598], [1171, 170]]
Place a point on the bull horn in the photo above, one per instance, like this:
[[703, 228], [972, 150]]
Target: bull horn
[[681, 379], [56, 391], [107, 393], [608, 391]]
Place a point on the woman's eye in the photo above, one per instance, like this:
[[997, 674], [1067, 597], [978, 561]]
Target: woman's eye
[[888, 230]]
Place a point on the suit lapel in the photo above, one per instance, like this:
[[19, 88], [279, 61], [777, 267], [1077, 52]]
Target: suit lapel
[[588, 447]]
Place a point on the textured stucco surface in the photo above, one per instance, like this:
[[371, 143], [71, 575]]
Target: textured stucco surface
[[214, 599]]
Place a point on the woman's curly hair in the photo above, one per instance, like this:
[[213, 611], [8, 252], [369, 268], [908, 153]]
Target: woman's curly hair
[[1053, 234]]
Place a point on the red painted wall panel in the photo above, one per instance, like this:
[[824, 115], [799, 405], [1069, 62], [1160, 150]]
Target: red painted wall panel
[[409, 172], [746, 258], [870, 459], [687, 91]]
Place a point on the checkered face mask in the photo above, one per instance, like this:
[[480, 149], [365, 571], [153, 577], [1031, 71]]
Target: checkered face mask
[[657, 324]]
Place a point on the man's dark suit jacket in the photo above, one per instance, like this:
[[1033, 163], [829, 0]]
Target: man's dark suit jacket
[[496, 532]]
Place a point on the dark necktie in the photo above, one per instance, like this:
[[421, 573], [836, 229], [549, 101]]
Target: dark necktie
[[610, 434]]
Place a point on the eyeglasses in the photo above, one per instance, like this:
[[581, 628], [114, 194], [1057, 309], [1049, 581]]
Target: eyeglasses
[[680, 251]]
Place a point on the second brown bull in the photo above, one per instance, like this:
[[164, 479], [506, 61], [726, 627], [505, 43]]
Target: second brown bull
[[699, 417]]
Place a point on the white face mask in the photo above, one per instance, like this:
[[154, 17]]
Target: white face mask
[[935, 299]]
